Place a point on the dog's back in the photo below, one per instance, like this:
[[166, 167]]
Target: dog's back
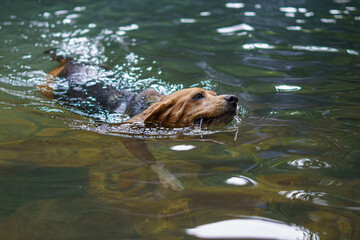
[[91, 88], [94, 90]]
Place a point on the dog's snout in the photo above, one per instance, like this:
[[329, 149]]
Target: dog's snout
[[232, 99]]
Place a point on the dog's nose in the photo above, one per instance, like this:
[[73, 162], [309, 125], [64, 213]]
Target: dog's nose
[[232, 99]]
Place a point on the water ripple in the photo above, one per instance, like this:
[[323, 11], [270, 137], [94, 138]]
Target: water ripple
[[307, 163]]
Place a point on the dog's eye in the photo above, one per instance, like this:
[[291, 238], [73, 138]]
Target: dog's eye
[[198, 96]]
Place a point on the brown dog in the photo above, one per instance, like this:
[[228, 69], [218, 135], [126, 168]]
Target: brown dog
[[82, 85], [190, 106]]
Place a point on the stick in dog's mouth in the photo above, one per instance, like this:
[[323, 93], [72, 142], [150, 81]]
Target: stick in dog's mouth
[[224, 118]]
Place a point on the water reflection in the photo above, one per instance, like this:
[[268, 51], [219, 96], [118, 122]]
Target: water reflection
[[303, 163], [315, 48], [187, 20], [241, 181], [234, 5], [249, 228], [305, 195], [257, 45], [287, 88], [232, 29], [182, 147]]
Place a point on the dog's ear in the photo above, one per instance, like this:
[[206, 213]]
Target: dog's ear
[[165, 112], [158, 112], [153, 113], [172, 114], [164, 98]]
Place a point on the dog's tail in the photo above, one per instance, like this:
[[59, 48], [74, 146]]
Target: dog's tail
[[57, 58], [47, 89]]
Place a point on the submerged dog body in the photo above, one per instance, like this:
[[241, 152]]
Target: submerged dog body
[[90, 88]]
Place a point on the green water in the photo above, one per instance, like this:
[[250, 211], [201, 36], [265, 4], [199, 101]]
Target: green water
[[288, 168]]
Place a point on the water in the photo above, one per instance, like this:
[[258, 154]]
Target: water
[[288, 168]]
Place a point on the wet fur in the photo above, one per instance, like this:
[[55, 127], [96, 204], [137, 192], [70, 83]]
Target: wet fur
[[180, 109]]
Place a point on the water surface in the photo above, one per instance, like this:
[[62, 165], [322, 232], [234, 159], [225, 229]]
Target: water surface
[[288, 166]]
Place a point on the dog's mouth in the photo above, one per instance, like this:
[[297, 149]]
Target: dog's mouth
[[224, 118], [203, 120]]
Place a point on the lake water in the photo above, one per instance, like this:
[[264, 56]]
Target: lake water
[[287, 167]]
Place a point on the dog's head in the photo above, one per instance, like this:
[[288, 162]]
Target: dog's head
[[190, 106]]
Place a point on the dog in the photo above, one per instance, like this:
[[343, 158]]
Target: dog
[[84, 86]]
